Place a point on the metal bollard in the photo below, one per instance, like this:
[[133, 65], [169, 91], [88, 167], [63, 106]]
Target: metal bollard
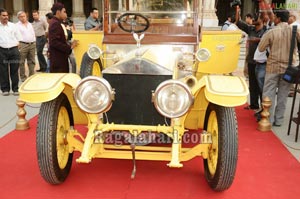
[[264, 124], [22, 124]]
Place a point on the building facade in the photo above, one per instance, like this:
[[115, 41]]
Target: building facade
[[214, 11]]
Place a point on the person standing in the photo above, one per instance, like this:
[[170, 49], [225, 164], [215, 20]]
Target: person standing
[[40, 27], [9, 55], [227, 22], [70, 27], [293, 22], [92, 22], [249, 18], [255, 32], [278, 40], [59, 49], [48, 16], [27, 45]]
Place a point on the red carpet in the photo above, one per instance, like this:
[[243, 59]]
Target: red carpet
[[265, 170]]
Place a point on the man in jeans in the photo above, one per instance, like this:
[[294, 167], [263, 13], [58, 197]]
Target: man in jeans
[[254, 32], [40, 27], [9, 54]]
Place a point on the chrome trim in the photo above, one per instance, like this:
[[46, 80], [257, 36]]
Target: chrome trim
[[137, 66], [109, 90], [162, 85], [94, 46]]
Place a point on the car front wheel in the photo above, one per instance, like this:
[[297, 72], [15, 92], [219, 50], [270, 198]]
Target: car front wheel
[[220, 166], [53, 153]]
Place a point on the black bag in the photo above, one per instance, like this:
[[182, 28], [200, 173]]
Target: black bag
[[292, 74]]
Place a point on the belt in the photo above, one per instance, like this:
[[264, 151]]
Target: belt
[[261, 63], [40, 36], [8, 48], [27, 42]]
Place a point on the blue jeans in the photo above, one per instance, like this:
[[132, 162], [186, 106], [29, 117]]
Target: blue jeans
[[260, 72], [40, 44]]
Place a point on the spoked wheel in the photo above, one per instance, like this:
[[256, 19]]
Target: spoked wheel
[[90, 67], [53, 152], [220, 166]]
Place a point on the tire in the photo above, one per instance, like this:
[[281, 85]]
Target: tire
[[90, 67], [54, 159], [220, 166]]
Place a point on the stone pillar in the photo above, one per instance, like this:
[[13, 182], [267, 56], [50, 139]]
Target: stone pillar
[[18, 5], [45, 7], [78, 14], [210, 19]]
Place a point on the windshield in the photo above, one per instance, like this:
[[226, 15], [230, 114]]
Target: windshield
[[151, 5], [164, 16]]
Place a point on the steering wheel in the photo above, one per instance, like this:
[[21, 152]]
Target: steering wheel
[[133, 22]]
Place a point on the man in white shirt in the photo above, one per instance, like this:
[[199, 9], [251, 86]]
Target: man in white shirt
[[27, 45], [9, 55], [227, 22], [293, 19]]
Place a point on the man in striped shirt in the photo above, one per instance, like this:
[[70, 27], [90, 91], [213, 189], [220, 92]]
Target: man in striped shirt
[[279, 41]]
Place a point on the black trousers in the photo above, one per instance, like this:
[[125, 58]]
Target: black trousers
[[40, 44], [253, 87], [9, 69]]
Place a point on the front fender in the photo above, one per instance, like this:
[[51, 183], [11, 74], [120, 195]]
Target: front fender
[[44, 87], [229, 91]]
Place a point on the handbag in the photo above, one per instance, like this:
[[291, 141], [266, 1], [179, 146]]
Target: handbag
[[292, 74]]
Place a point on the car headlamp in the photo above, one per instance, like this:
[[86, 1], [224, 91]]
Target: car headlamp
[[94, 95], [94, 52], [203, 54], [172, 98]]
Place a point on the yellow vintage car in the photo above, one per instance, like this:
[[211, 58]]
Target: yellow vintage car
[[148, 83]]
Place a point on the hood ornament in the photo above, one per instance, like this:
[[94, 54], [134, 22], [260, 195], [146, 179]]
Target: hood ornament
[[138, 40]]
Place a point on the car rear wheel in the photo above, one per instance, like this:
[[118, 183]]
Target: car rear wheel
[[53, 153], [90, 67], [220, 166]]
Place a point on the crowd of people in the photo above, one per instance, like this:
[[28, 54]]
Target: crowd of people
[[21, 42], [268, 45]]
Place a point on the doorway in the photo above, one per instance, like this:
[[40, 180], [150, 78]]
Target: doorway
[[68, 6], [88, 4], [8, 5], [29, 6]]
